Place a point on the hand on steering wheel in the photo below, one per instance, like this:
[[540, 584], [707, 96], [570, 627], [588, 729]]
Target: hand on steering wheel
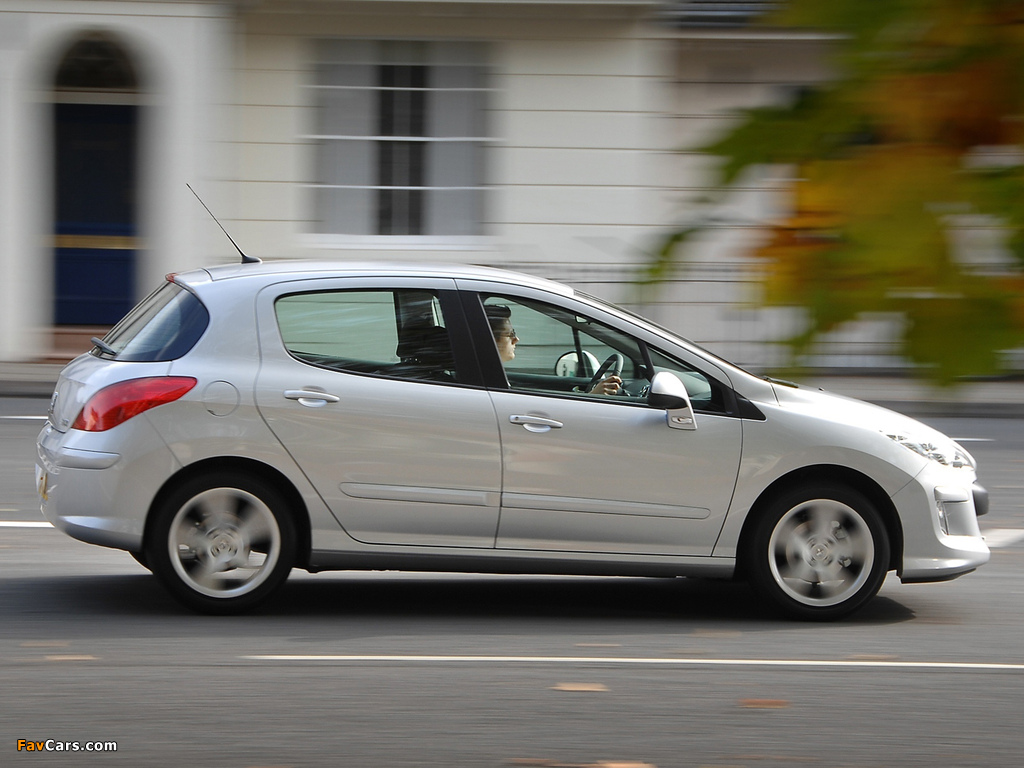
[[606, 380]]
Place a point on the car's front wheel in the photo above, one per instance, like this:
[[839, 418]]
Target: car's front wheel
[[818, 552], [222, 543]]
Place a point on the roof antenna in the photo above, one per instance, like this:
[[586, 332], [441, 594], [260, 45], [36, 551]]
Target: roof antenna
[[245, 259]]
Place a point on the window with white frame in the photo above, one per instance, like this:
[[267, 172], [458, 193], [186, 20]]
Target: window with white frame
[[400, 137]]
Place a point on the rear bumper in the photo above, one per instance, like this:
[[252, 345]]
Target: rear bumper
[[96, 494]]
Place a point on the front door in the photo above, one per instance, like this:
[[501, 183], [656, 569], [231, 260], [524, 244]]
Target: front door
[[612, 477], [365, 388], [589, 472]]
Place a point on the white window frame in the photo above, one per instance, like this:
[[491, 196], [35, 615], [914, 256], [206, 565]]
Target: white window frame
[[341, 241]]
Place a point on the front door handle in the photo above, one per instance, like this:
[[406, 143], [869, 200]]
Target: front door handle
[[535, 423], [310, 397]]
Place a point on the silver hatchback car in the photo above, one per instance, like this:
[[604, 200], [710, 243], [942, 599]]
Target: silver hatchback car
[[248, 419]]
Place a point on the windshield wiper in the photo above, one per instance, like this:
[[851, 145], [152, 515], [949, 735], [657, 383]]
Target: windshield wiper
[[783, 382]]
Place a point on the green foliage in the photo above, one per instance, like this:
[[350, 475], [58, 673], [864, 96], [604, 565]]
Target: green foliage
[[817, 124], [889, 158], [944, 331]]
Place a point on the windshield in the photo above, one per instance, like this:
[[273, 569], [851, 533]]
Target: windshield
[[163, 326], [615, 308]]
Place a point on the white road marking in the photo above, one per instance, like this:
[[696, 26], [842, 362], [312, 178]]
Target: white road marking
[[23, 418], [627, 660], [24, 524], [1002, 537], [974, 439]]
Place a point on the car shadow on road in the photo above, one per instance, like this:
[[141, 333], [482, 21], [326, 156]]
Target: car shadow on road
[[539, 597], [430, 597]]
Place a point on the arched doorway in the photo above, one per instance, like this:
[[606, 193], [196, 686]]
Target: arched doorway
[[95, 120]]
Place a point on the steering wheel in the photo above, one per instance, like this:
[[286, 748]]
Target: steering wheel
[[612, 366]]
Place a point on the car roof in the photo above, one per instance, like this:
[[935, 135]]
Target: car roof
[[270, 270], [279, 270]]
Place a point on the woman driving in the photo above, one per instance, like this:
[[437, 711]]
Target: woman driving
[[505, 339]]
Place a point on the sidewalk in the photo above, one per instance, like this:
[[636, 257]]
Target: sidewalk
[[984, 399]]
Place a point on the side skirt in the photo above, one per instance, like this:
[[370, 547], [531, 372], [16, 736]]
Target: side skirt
[[527, 563]]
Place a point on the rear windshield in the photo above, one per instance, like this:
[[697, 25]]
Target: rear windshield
[[163, 326]]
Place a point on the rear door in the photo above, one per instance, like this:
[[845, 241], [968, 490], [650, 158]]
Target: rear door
[[369, 384]]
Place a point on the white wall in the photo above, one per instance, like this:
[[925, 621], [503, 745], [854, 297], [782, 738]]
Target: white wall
[[596, 111], [710, 297], [572, 112]]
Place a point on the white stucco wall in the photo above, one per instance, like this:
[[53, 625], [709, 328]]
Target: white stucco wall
[[596, 112], [573, 111], [710, 297]]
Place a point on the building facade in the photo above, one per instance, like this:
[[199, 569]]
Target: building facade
[[106, 109], [548, 137]]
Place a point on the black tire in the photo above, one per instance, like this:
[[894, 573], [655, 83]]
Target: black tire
[[222, 543], [819, 552]]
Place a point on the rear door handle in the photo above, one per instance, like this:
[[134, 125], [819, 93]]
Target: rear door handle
[[535, 423], [311, 398]]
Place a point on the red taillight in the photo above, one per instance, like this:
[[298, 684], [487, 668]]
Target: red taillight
[[119, 402]]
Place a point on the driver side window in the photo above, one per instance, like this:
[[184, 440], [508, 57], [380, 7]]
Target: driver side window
[[549, 349]]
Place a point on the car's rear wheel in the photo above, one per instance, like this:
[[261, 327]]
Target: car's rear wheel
[[819, 552], [222, 543]]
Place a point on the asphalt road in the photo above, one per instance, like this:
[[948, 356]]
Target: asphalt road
[[396, 670]]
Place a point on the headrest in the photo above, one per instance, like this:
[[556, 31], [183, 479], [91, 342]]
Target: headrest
[[428, 345]]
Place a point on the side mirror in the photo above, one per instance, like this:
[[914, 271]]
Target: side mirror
[[568, 364], [669, 394]]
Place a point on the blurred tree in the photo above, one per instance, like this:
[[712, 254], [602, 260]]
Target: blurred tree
[[891, 158]]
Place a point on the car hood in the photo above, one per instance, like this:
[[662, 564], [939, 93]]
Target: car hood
[[847, 410], [857, 414]]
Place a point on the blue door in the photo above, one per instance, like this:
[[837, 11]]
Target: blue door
[[95, 212]]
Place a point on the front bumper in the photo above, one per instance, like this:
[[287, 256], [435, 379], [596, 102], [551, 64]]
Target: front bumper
[[939, 512]]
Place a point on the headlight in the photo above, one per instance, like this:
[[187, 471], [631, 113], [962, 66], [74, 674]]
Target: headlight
[[935, 447]]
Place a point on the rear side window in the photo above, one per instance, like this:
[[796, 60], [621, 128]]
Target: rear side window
[[163, 326], [396, 333]]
